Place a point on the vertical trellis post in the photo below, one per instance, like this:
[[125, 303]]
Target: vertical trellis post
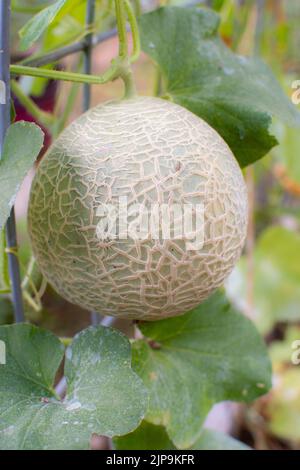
[[90, 14], [11, 236]]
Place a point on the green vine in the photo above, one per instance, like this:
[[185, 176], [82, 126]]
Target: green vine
[[137, 7], [120, 66], [44, 118], [5, 268], [121, 26], [134, 30], [61, 75]]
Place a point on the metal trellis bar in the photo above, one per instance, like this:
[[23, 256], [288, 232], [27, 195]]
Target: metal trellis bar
[[90, 14], [11, 236], [62, 52]]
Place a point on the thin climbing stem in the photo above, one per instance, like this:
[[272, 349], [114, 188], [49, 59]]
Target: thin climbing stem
[[44, 118], [63, 107], [28, 282], [137, 7], [36, 306], [14, 268], [121, 27], [5, 291], [42, 288], [29, 272], [134, 30], [66, 76], [125, 71], [4, 267], [66, 111]]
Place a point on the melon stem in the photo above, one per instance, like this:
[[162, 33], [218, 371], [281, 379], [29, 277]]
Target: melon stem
[[123, 8]]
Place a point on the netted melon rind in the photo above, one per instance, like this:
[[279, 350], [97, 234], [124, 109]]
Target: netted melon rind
[[149, 150]]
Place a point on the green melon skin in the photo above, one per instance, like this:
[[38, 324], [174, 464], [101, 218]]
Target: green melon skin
[[149, 150]]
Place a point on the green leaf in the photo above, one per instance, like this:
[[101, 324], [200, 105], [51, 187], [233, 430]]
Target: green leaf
[[35, 27], [190, 362], [151, 437], [23, 142], [234, 94], [146, 437], [68, 26], [276, 279], [103, 396]]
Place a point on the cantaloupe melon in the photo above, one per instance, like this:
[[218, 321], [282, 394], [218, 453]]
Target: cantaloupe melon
[[151, 151]]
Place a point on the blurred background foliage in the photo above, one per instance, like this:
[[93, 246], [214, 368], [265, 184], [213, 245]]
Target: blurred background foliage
[[265, 285]]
